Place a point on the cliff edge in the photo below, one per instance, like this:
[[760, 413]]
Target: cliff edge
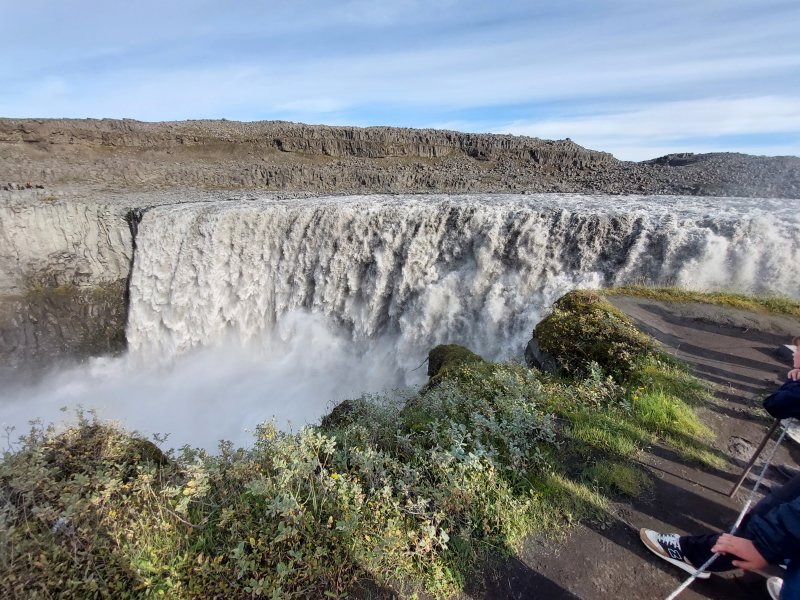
[[273, 155]]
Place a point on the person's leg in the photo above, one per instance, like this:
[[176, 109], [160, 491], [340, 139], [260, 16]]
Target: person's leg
[[667, 547], [791, 584], [697, 550], [780, 495]]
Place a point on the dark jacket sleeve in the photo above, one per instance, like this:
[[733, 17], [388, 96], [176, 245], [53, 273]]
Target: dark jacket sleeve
[[776, 534], [785, 402]]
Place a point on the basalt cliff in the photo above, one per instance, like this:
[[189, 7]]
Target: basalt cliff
[[269, 155]]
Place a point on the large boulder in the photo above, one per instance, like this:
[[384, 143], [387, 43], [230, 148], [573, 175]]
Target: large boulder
[[536, 358], [585, 329], [446, 356]]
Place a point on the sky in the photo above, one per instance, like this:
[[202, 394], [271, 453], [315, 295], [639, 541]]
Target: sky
[[635, 78]]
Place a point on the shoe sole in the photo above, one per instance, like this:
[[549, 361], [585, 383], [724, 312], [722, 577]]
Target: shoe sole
[[678, 563]]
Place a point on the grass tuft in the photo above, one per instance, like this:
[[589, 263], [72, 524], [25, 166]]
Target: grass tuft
[[616, 477], [763, 304]]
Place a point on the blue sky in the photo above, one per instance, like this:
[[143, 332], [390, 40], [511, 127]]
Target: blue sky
[[635, 78]]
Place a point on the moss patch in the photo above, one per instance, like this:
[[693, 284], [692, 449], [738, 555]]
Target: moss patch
[[448, 356], [584, 328]]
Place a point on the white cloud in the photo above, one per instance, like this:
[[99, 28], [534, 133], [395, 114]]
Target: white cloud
[[680, 119], [673, 126], [436, 80], [616, 75]]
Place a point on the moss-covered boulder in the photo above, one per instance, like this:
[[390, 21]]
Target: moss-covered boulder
[[93, 445], [585, 328], [344, 414], [446, 356]]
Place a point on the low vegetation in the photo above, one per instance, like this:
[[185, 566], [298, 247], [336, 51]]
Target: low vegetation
[[584, 331], [765, 304], [410, 491]]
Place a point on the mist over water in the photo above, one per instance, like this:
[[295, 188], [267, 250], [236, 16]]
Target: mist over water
[[243, 311], [293, 375]]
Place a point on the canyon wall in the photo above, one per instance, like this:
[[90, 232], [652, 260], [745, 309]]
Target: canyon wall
[[270, 155], [63, 277], [72, 191]]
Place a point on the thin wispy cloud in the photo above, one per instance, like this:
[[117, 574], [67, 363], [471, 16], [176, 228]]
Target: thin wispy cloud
[[628, 77], [677, 126]]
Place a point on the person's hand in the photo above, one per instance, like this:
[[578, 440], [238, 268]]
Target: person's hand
[[794, 375], [749, 558]]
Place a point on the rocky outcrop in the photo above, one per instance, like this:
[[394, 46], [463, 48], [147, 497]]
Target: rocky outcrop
[[273, 155], [536, 358], [63, 275]]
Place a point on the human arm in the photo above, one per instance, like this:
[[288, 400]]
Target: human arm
[[794, 374], [749, 556], [785, 401]]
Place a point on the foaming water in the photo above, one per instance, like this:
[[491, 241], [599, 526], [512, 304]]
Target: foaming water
[[292, 376], [245, 310]]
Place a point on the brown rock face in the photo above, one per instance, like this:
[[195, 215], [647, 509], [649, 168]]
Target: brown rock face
[[271, 155], [51, 324]]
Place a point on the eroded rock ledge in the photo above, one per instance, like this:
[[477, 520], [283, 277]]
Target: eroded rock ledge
[[63, 274], [273, 155]]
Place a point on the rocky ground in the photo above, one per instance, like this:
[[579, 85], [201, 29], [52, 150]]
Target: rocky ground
[[130, 155], [735, 352]]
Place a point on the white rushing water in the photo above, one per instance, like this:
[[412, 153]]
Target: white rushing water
[[244, 310]]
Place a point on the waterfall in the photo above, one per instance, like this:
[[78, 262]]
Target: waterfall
[[421, 270], [246, 310]]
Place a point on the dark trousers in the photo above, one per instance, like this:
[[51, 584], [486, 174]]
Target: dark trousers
[[697, 548]]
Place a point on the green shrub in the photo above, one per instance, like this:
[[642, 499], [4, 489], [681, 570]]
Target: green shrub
[[80, 513], [584, 328]]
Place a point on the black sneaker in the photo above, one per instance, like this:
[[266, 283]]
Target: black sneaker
[[667, 546]]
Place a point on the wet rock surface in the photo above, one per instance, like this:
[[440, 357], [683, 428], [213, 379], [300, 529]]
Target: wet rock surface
[[536, 358], [63, 277]]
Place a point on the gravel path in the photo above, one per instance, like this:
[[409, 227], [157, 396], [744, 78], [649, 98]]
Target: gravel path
[[735, 351]]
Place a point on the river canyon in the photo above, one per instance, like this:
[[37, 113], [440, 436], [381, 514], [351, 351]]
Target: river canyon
[[220, 311]]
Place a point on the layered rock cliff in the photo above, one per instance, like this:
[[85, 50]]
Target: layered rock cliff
[[269, 155], [66, 250], [63, 274]]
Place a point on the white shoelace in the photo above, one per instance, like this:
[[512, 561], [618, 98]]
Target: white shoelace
[[669, 539]]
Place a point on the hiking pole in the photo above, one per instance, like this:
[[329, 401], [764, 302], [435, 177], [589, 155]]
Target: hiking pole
[[754, 457], [740, 518]]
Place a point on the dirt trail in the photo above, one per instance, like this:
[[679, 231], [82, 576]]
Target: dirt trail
[[733, 350]]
